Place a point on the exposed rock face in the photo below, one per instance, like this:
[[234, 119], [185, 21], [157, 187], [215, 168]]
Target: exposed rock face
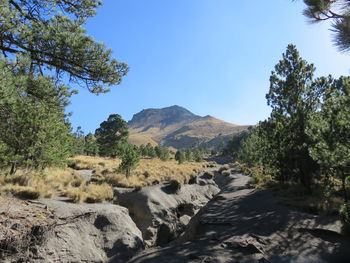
[[248, 225], [162, 212], [86, 233]]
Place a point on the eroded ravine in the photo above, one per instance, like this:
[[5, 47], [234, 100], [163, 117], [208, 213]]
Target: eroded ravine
[[163, 211], [246, 225]]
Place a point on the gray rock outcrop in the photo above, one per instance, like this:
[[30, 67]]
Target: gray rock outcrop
[[162, 211], [93, 233]]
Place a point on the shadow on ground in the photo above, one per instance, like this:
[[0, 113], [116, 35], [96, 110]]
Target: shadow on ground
[[247, 225]]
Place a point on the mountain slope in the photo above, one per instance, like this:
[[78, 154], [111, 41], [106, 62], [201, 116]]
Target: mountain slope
[[177, 127]]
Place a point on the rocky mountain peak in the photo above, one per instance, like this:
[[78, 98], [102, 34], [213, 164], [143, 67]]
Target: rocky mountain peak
[[161, 118]]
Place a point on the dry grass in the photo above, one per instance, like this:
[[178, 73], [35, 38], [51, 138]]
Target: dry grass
[[139, 139], [51, 181], [150, 171], [94, 162], [70, 183], [91, 193]]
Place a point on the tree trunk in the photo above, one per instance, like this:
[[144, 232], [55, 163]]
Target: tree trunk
[[13, 168]]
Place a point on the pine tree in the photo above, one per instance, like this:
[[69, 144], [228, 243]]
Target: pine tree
[[197, 155], [33, 128], [111, 135], [293, 97], [91, 147], [338, 11], [50, 33], [150, 151], [180, 157], [188, 155], [130, 158], [330, 129]]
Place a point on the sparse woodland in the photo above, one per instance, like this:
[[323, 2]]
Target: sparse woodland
[[45, 49]]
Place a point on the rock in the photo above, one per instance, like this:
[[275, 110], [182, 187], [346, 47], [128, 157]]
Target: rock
[[86, 173], [172, 187], [207, 175], [121, 190], [193, 180], [224, 168], [162, 215], [89, 233]]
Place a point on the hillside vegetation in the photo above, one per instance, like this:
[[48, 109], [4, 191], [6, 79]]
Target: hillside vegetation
[[179, 128], [70, 183], [304, 145]]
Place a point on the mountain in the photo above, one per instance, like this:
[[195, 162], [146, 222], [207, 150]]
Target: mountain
[[177, 127]]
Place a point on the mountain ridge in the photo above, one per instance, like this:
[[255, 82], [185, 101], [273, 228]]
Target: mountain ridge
[[177, 127]]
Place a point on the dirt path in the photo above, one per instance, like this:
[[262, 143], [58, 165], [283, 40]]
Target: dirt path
[[247, 225]]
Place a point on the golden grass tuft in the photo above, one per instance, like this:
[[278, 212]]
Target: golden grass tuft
[[95, 162], [153, 170], [91, 193], [35, 185], [27, 192]]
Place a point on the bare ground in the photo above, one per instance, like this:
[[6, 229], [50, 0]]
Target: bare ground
[[248, 225]]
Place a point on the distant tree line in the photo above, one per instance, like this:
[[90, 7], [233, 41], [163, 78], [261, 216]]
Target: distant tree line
[[189, 155]]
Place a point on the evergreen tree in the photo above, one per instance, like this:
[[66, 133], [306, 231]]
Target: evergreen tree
[[233, 145], [33, 128], [77, 146], [338, 11], [150, 151], [91, 147], [164, 154], [188, 155], [180, 157], [111, 135], [330, 129], [293, 97], [50, 33], [158, 151], [130, 158], [198, 155], [143, 151]]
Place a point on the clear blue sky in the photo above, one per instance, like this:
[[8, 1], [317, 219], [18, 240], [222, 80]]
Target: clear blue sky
[[210, 56]]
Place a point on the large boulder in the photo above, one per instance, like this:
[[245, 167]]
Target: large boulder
[[162, 211], [93, 233]]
